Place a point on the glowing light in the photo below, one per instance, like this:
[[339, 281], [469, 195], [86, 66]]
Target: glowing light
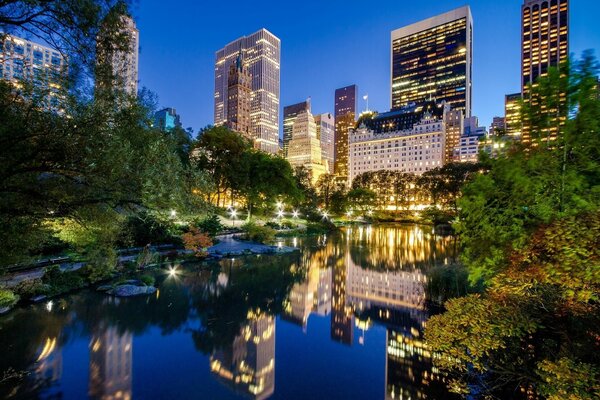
[[49, 305], [233, 213], [325, 215], [173, 272], [280, 214], [173, 213], [295, 214], [279, 205]]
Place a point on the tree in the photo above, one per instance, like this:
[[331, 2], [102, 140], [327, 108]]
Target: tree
[[362, 199]]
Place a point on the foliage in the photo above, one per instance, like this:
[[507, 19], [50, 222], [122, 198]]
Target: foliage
[[101, 264], [7, 298], [197, 241], [147, 280], [444, 184], [392, 188], [537, 317], [61, 282], [259, 234], [145, 228], [437, 216], [362, 199], [211, 225], [446, 282]]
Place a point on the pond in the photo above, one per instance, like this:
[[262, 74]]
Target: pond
[[342, 319]]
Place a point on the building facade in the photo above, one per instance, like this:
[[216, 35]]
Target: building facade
[[305, 149], [23, 60], [498, 126], [326, 135], [123, 73], [346, 106], [262, 54], [512, 115], [167, 119], [544, 45], [432, 60], [415, 146], [239, 97], [289, 116]]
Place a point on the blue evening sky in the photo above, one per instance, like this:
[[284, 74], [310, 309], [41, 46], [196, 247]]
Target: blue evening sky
[[327, 44]]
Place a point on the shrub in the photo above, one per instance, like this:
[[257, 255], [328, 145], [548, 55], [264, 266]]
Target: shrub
[[257, 233], [437, 216], [146, 228], [318, 228], [61, 282], [197, 241], [102, 262], [7, 298], [147, 280], [32, 288], [211, 225]]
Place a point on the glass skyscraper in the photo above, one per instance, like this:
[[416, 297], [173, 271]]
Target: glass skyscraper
[[345, 118], [261, 53], [432, 60], [289, 116]]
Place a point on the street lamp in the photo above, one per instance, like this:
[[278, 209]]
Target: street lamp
[[173, 213], [295, 214], [279, 205], [233, 214], [325, 215]]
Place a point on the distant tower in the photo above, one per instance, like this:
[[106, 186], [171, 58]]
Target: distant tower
[[263, 51], [118, 69], [326, 134], [305, 149], [345, 119], [167, 119], [289, 116], [544, 44], [239, 97], [432, 60]]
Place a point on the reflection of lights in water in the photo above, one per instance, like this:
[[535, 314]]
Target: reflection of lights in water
[[49, 347], [279, 245], [295, 242], [49, 305]]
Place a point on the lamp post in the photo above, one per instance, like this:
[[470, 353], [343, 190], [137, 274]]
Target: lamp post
[[233, 214]]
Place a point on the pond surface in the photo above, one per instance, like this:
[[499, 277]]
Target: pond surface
[[343, 319]]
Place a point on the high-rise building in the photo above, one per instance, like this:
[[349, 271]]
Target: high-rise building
[[262, 53], [498, 126], [120, 67], [289, 116], [326, 134], [432, 60], [239, 97], [167, 119], [544, 44], [455, 127], [305, 149], [345, 118], [512, 115], [23, 60]]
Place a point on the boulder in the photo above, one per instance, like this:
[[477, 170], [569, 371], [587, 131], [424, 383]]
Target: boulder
[[4, 310], [132, 290]]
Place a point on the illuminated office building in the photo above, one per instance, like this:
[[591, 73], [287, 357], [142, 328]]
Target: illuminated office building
[[512, 115], [345, 118], [261, 52], [23, 60], [239, 97], [432, 60], [545, 44], [111, 365], [123, 73], [289, 116], [304, 149], [326, 134], [498, 126], [248, 365]]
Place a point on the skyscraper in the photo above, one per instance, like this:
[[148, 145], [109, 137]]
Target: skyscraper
[[432, 60], [544, 44], [166, 119], [23, 60], [498, 126], [239, 97], [262, 54], [345, 118], [121, 67], [305, 149], [326, 134], [289, 116], [512, 115]]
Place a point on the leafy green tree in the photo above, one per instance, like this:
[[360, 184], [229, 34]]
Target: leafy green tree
[[361, 199]]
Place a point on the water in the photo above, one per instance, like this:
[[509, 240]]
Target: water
[[343, 319]]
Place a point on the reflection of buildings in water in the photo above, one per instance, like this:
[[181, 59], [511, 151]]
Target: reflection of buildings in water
[[49, 364], [248, 366], [312, 295], [342, 318], [399, 247], [111, 365], [390, 288]]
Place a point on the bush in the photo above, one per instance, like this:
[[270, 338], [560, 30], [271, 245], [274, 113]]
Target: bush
[[319, 228], [437, 216], [7, 298], [197, 241], [211, 225], [257, 233], [30, 289], [61, 282], [101, 263], [147, 280], [145, 228]]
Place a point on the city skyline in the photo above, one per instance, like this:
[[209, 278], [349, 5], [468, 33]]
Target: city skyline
[[301, 77]]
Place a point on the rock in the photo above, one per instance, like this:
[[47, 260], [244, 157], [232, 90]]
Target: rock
[[132, 290], [104, 288], [38, 299], [4, 310]]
